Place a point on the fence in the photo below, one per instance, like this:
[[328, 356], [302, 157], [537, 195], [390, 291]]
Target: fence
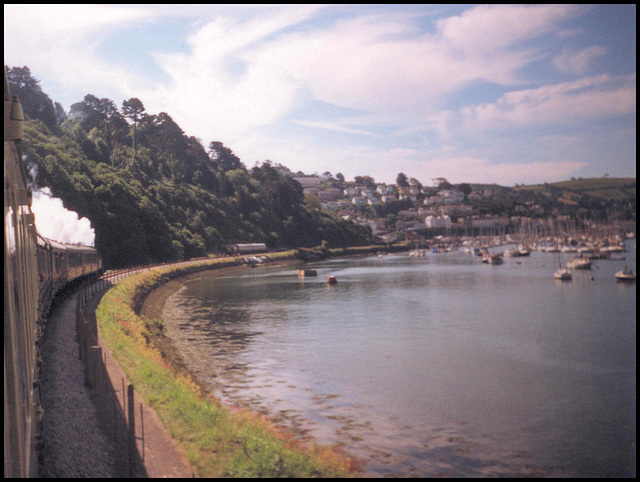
[[114, 402]]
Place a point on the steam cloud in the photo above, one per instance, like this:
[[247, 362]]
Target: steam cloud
[[55, 222]]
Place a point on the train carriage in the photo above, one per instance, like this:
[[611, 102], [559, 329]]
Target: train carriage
[[35, 269]]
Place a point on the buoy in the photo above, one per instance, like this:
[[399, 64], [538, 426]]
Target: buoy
[[331, 280]]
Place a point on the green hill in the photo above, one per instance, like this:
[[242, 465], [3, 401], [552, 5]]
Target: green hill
[[154, 194]]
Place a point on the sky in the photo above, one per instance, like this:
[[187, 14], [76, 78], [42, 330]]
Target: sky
[[506, 94]]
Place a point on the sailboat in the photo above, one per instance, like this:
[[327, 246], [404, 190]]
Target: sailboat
[[563, 274]]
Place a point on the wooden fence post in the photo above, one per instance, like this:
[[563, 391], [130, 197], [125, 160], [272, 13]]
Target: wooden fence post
[[132, 431]]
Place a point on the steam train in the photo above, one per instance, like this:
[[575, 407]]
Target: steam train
[[36, 270]]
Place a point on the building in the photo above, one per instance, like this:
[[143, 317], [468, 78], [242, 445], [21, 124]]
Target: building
[[350, 191], [329, 194], [309, 181], [455, 209], [384, 190], [432, 222], [487, 222]]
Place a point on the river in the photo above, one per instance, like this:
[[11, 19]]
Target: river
[[430, 366]]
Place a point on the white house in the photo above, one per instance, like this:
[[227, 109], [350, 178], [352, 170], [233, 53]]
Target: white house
[[451, 195], [366, 193], [350, 191], [408, 197], [439, 222], [383, 189], [456, 209]]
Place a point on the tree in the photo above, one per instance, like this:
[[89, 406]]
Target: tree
[[367, 181], [101, 114], [133, 109], [414, 182], [35, 103], [441, 182], [340, 177], [464, 188], [401, 180], [224, 157]]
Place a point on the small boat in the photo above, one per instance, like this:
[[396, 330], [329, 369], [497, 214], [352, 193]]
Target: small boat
[[304, 273], [562, 274], [579, 263], [494, 259], [625, 275]]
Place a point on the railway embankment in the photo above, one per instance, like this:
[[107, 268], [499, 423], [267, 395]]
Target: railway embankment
[[216, 440]]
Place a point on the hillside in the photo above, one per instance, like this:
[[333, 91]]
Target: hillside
[[591, 195], [154, 194]]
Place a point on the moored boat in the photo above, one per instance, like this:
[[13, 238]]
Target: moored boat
[[563, 274], [625, 274], [492, 259], [579, 263]]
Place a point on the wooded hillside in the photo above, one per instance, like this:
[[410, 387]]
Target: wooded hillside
[[154, 194]]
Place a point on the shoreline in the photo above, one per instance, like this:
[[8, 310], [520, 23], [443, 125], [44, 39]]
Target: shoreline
[[152, 308], [153, 305]]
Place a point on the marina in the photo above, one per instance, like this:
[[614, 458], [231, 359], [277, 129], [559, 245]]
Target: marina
[[429, 364]]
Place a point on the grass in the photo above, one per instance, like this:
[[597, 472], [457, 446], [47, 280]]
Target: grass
[[219, 441]]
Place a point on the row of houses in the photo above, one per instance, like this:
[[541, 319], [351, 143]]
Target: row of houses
[[383, 194]]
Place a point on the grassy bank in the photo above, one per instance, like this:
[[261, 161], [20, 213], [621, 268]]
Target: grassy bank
[[219, 441]]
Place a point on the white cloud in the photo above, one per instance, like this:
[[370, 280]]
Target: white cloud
[[246, 76], [577, 61], [240, 75], [332, 126], [588, 98], [468, 168], [59, 42], [487, 29], [216, 91]]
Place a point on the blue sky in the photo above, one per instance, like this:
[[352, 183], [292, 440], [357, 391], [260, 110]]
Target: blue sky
[[474, 93]]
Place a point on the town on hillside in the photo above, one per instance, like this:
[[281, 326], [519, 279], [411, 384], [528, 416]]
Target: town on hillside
[[410, 211]]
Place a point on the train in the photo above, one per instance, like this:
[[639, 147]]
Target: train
[[246, 248], [36, 271]]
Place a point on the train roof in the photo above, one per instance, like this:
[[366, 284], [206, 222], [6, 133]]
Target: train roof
[[67, 247], [42, 241], [77, 248]]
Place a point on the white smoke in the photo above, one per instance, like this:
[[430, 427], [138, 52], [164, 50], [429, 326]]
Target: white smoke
[[55, 222]]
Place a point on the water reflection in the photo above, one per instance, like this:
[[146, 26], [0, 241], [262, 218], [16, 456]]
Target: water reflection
[[428, 367]]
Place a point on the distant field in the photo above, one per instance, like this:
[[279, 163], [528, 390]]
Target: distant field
[[606, 188]]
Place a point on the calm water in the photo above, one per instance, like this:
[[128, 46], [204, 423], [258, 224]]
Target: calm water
[[429, 366]]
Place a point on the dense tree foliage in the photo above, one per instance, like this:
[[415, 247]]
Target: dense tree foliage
[[154, 194], [35, 103]]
